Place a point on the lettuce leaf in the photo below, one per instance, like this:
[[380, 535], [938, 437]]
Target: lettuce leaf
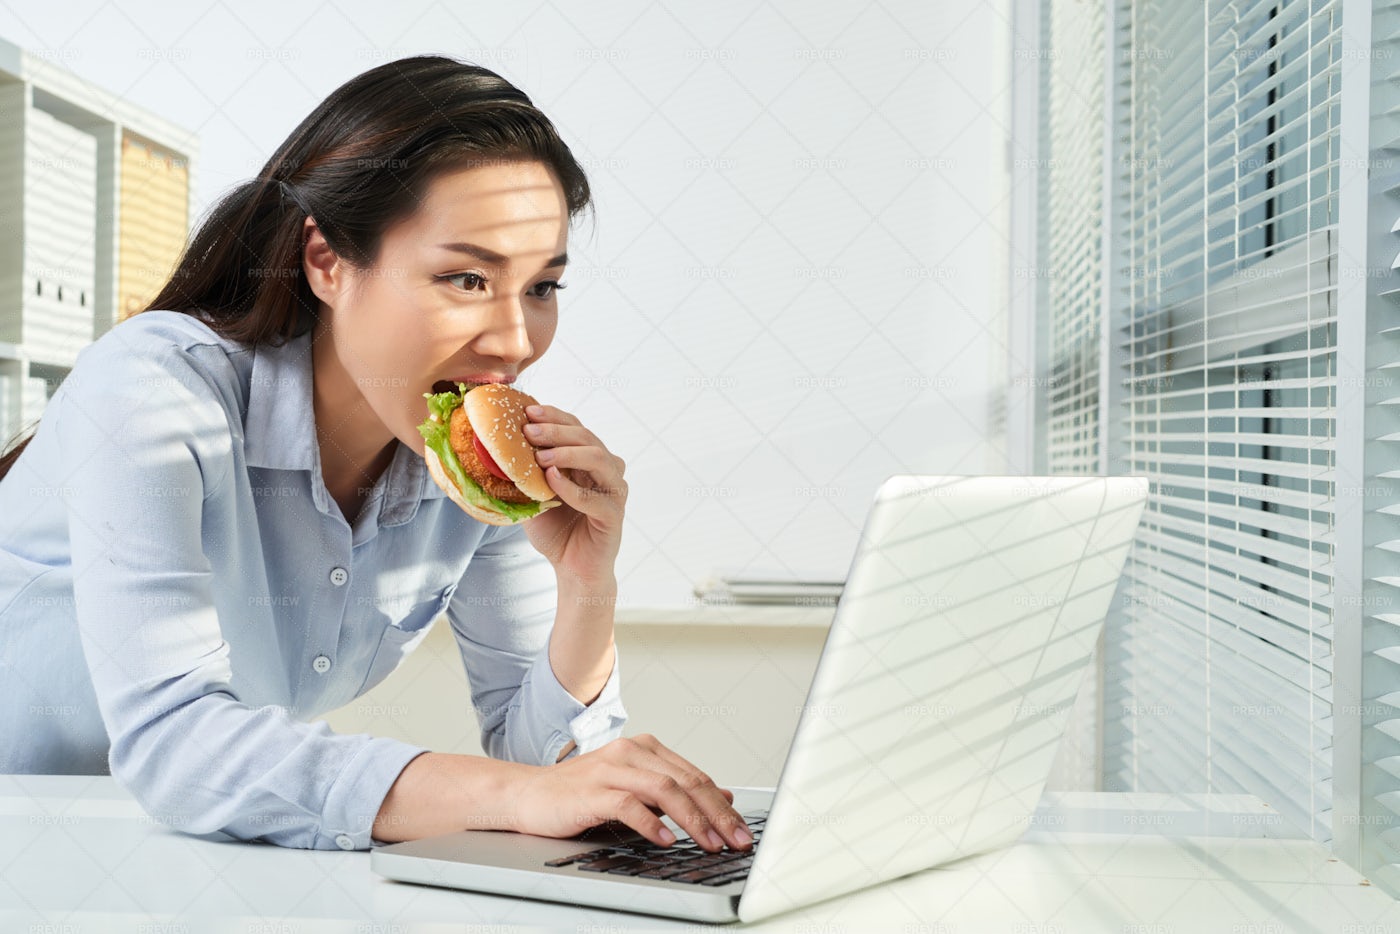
[[435, 435]]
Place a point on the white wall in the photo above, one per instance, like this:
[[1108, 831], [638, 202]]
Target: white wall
[[789, 290], [778, 327]]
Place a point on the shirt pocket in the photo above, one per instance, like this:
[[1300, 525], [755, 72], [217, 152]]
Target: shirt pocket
[[403, 636]]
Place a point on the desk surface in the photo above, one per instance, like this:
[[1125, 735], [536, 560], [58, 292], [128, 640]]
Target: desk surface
[[720, 615], [79, 855]]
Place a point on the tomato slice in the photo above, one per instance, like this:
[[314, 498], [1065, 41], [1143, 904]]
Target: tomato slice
[[487, 460]]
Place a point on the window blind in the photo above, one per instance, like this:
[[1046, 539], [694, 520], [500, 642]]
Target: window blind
[[1192, 233], [1071, 263], [1073, 256], [1369, 712], [1218, 655]]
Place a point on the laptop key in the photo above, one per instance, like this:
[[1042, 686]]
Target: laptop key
[[724, 856], [671, 859], [726, 878], [700, 875], [576, 858], [635, 870], [632, 854], [715, 864], [603, 865], [663, 872]]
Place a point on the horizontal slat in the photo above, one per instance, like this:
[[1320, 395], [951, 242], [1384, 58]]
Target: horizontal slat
[[1284, 714], [1171, 673], [1227, 649], [1307, 586], [1274, 773], [1176, 463], [1239, 580], [1237, 764], [1188, 611], [1304, 559], [1272, 521], [1172, 585]]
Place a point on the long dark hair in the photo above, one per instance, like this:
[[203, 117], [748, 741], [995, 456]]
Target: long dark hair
[[360, 162]]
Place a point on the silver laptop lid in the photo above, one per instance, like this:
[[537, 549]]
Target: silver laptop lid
[[959, 644]]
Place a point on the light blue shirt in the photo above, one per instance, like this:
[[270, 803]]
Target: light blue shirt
[[179, 595]]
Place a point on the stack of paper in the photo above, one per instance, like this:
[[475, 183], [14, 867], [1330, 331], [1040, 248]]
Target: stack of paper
[[788, 588]]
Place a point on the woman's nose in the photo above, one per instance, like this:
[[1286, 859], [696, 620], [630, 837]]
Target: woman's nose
[[504, 335]]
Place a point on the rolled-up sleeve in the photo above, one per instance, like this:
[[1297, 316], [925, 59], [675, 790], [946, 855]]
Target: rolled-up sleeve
[[149, 442], [502, 614]]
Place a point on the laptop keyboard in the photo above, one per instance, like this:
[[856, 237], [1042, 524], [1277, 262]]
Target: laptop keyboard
[[682, 861]]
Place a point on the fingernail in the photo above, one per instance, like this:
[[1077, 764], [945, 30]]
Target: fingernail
[[534, 410], [716, 841], [667, 837], [743, 836], [544, 457], [533, 429]]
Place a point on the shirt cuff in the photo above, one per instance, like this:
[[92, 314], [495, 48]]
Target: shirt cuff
[[357, 795], [557, 716]]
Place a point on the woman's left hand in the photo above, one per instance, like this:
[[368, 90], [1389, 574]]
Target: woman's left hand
[[582, 536]]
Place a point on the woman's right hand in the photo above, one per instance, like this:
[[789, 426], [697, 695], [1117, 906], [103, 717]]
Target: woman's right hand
[[633, 780]]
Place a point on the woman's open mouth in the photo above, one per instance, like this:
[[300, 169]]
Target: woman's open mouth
[[450, 385]]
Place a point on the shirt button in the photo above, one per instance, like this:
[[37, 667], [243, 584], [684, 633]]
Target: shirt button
[[321, 664], [339, 576], [344, 842]]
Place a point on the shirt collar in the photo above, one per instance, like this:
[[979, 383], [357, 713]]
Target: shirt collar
[[279, 430]]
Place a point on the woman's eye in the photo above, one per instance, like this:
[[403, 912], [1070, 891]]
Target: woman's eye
[[550, 288], [476, 279], [471, 280]]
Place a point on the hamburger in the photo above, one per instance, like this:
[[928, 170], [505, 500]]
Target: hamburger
[[475, 448]]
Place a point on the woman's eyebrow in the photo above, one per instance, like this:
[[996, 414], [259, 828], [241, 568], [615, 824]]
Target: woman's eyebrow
[[491, 256]]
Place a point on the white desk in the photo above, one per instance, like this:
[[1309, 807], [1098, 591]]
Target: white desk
[[79, 855]]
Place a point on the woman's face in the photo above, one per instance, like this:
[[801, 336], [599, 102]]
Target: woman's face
[[430, 312]]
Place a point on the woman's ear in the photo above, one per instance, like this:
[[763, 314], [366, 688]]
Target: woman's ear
[[324, 271]]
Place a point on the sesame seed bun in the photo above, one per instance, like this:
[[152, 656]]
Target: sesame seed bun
[[497, 415]]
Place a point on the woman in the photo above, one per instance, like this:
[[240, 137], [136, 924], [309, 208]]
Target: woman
[[224, 527]]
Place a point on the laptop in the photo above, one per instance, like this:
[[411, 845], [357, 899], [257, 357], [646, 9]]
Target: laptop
[[960, 639]]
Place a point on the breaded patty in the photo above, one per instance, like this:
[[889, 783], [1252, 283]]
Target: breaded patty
[[460, 435]]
